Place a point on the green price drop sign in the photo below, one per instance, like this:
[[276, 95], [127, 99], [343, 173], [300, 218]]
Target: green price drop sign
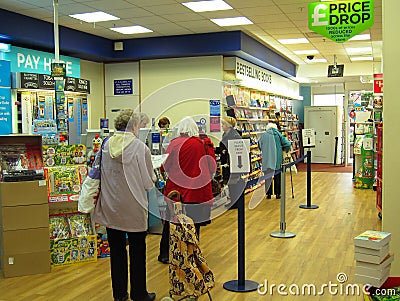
[[340, 20]]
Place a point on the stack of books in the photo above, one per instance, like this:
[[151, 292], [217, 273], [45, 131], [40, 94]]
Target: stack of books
[[373, 260]]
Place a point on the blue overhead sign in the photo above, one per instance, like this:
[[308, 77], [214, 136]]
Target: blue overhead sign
[[33, 61]]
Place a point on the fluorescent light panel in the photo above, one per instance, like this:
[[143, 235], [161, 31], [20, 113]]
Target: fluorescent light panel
[[232, 21], [294, 41], [131, 29], [361, 37], [93, 17], [306, 51], [360, 50], [202, 6], [361, 58]]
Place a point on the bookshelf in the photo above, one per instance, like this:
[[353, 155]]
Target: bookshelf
[[253, 110]]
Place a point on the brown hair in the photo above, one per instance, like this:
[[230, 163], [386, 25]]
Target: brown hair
[[163, 121]]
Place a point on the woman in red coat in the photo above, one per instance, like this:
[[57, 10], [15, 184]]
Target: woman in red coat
[[190, 166]]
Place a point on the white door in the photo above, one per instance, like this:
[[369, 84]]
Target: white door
[[324, 121]]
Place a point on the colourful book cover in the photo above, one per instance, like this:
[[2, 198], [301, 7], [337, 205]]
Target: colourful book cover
[[372, 239]]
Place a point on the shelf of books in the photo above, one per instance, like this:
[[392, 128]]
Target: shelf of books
[[72, 236], [289, 123], [253, 110]]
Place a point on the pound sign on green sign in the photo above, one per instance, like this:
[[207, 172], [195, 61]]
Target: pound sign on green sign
[[340, 21]]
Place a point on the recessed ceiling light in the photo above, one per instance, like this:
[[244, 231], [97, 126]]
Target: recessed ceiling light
[[316, 61], [131, 29], [360, 50], [361, 58], [97, 16], [202, 6], [232, 21], [306, 51], [293, 41], [361, 37]]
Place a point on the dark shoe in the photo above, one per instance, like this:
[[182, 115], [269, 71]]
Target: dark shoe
[[268, 196], [163, 259], [278, 196], [122, 299], [148, 297]]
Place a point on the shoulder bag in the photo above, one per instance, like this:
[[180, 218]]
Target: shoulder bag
[[90, 189]]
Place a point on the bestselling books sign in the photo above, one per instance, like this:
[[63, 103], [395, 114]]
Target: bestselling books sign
[[341, 20]]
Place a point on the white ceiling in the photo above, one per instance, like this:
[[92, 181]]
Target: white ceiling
[[273, 20]]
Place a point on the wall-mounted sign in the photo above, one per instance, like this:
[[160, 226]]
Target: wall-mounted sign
[[5, 111], [82, 85], [33, 61], [70, 84], [215, 113], [29, 81], [123, 86], [340, 20], [378, 83], [239, 150], [308, 137], [47, 82], [244, 69], [58, 71], [5, 74]]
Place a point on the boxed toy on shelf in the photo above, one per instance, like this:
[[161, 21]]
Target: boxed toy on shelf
[[72, 239]]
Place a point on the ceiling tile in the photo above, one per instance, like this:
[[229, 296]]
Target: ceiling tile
[[146, 3], [147, 21], [66, 9], [272, 25], [253, 3], [105, 5], [15, 5], [183, 17], [37, 12], [130, 12], [169, 9], [260, 11]]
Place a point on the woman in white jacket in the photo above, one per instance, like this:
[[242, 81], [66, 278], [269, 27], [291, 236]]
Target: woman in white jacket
[[126, 175]]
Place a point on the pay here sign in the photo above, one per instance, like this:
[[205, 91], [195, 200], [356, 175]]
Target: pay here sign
[[340, 20]]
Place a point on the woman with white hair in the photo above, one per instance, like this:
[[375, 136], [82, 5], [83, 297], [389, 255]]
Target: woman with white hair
[[190, 166], [271, 144], [126, 176]]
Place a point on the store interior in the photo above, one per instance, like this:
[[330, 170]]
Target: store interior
[[52, 128]]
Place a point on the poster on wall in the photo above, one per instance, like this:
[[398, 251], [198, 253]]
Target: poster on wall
[[215, 114], [5, 111], [123, 86]]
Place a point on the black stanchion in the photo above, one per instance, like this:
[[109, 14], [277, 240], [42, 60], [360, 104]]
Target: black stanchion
[[282, 231], [308, 205], [241, 285]]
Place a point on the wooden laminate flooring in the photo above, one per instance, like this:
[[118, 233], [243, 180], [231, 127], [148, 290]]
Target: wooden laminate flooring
[[322, 249]]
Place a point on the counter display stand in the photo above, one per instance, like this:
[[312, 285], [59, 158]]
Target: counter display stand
[[72, 236], [24, 220]]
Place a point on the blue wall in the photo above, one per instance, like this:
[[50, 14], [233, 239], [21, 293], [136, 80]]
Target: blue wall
[[298, 106]]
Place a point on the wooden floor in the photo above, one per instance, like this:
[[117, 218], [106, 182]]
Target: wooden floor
[[322, 249]]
